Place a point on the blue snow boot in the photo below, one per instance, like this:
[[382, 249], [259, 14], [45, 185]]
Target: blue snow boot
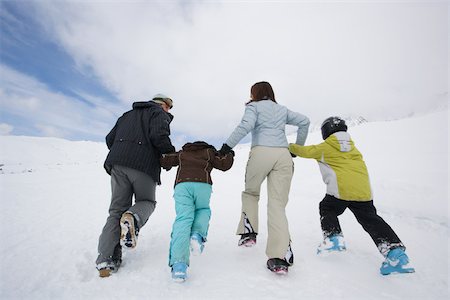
[[197, 244], [396, 262], [179, 272], [333, 243]]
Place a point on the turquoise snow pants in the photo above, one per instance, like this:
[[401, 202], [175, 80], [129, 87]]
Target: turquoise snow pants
[[193, 215]]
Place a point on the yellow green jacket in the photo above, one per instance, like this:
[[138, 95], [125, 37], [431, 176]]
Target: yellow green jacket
[[342, 166]]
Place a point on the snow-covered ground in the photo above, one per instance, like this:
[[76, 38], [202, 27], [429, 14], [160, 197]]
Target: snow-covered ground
[[55, 196]]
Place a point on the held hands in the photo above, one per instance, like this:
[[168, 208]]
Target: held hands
[[164, 161], [292, 154], [225, 150]]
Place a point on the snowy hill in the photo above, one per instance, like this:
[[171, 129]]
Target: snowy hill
[[351, 121], [55, 196]]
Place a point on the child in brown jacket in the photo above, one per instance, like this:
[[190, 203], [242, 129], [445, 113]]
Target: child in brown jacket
[[193, 187]]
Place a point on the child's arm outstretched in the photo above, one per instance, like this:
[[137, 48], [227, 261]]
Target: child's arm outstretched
[[313, 151], [222, 162]]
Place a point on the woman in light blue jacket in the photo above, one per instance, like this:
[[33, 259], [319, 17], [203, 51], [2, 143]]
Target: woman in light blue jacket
[[269, 158]]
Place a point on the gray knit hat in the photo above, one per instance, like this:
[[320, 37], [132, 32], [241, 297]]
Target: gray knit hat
[[161, 99]]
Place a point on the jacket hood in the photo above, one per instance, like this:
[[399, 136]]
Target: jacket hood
[[144, 104], [148, 104], [196, 146], [341, 141]]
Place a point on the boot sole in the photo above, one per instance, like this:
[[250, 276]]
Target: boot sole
[[280, 270], [127, 226], [398, 271], [247, 244], [179, 279], [105, 273]]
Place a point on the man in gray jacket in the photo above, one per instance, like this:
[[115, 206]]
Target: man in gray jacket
[[135, 145]]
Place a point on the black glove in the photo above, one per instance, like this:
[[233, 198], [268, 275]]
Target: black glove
[[163, 165], [225, 149]]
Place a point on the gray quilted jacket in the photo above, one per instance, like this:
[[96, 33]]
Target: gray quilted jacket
[[266, 120]]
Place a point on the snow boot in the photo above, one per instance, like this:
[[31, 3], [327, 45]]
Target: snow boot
[[105, 269], [333, 243], [278, 266], [129, 231], [179, 272], [289, 257], [197, 244], [247, 240], [396, 262]]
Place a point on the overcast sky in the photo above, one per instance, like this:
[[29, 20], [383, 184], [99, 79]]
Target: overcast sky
[[69, 69]]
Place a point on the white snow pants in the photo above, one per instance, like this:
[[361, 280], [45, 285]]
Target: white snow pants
[[277, 166]]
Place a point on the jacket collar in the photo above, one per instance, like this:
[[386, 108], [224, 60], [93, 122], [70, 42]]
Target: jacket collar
[[341, 141], [196, 146]]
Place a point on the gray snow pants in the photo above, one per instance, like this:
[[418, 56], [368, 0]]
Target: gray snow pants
[[124, 183]]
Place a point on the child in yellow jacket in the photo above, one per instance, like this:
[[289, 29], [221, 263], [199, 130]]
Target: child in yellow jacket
[[345, 174]]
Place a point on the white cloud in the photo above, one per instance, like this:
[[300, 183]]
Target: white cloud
[[50, 113], [6, 129], [372, 59]]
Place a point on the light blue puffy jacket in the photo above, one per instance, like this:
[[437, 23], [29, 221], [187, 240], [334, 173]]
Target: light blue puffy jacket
[[266, 120]]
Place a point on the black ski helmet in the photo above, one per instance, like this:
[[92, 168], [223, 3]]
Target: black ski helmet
[[332, 125]]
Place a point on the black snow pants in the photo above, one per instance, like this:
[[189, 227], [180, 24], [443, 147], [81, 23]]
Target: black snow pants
[[366, 215]]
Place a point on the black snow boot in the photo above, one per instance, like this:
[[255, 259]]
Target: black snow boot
[[278, 266]]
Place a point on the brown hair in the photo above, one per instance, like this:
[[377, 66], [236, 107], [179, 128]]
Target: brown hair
[[262, 91]]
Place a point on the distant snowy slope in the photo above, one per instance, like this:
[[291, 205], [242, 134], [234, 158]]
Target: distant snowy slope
[[351, 121], [55, 197], [23, 154]]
